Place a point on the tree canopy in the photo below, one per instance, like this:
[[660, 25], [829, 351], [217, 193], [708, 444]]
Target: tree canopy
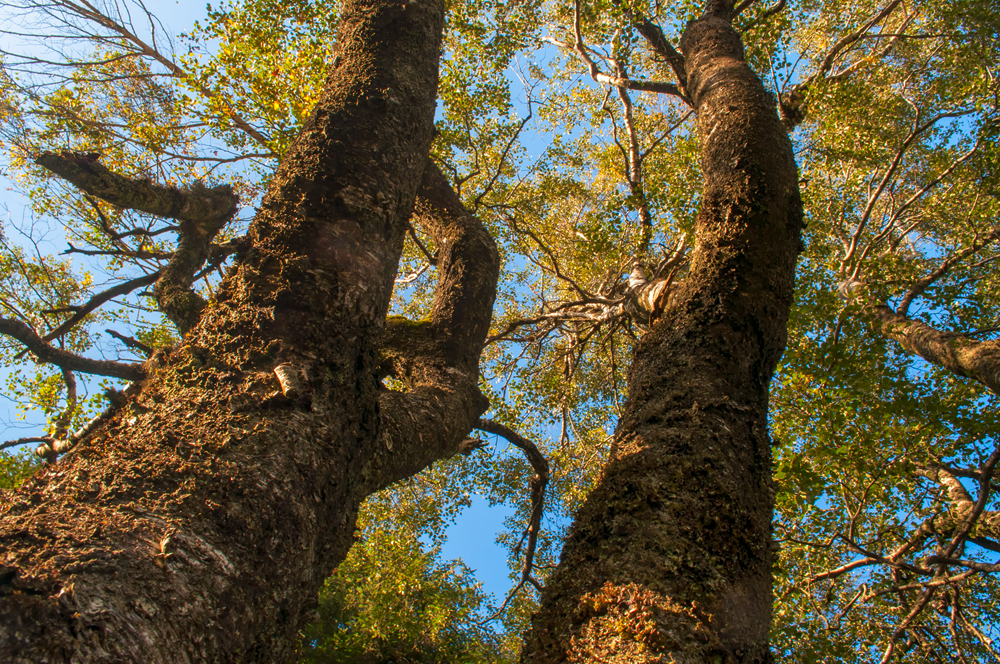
[[568, 129]]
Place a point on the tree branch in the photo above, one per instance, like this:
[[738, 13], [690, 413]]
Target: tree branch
[[438, 359], [65, 359], [662, 47], [792, 106], [198, 205], [921, 285], [202, 213], [81, 311], [25, 441], [962, 507], [580, 49], [538, 483], [978, 360], [131, 342]]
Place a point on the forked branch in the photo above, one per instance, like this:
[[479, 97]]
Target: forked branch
[[202, 211]]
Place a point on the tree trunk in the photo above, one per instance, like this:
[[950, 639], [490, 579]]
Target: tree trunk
[[199, 523], [670, 558]]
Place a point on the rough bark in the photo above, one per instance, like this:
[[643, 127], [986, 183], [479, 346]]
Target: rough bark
[[669, 560], [438, 359], [978, 360], [199, 523]]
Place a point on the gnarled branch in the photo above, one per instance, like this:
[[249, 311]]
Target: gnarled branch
[[202, 212], [198, 205], [438, 359]]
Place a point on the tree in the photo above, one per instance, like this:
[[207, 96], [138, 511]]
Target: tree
[[671, 552], [287, 455]]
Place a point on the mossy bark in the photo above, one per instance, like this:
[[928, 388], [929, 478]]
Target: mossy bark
[[200, 522], [669, 560]]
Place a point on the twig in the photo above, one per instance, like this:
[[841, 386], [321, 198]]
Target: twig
[[431, 259]]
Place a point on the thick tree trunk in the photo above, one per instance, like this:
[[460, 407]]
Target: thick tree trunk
[[670, 558], [198, 525]]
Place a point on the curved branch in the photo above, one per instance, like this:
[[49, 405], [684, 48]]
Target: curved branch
[[65, 359], [987, 524], [25, 441], [921, 285], [89, 12], [660, 87], [538, 483], [438, 359], [52, 447]]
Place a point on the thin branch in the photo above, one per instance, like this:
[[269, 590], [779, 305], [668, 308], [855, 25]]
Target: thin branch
[[551, 256], [580, 49], [131, 342], [503, 158], [538, 483], [81, 311], [52, 448], [413, 276], [25, 441], [87, 11], [65, 418], [921, 285]]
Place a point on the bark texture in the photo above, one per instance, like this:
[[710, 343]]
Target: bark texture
[[670, 560], [199, 523]]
